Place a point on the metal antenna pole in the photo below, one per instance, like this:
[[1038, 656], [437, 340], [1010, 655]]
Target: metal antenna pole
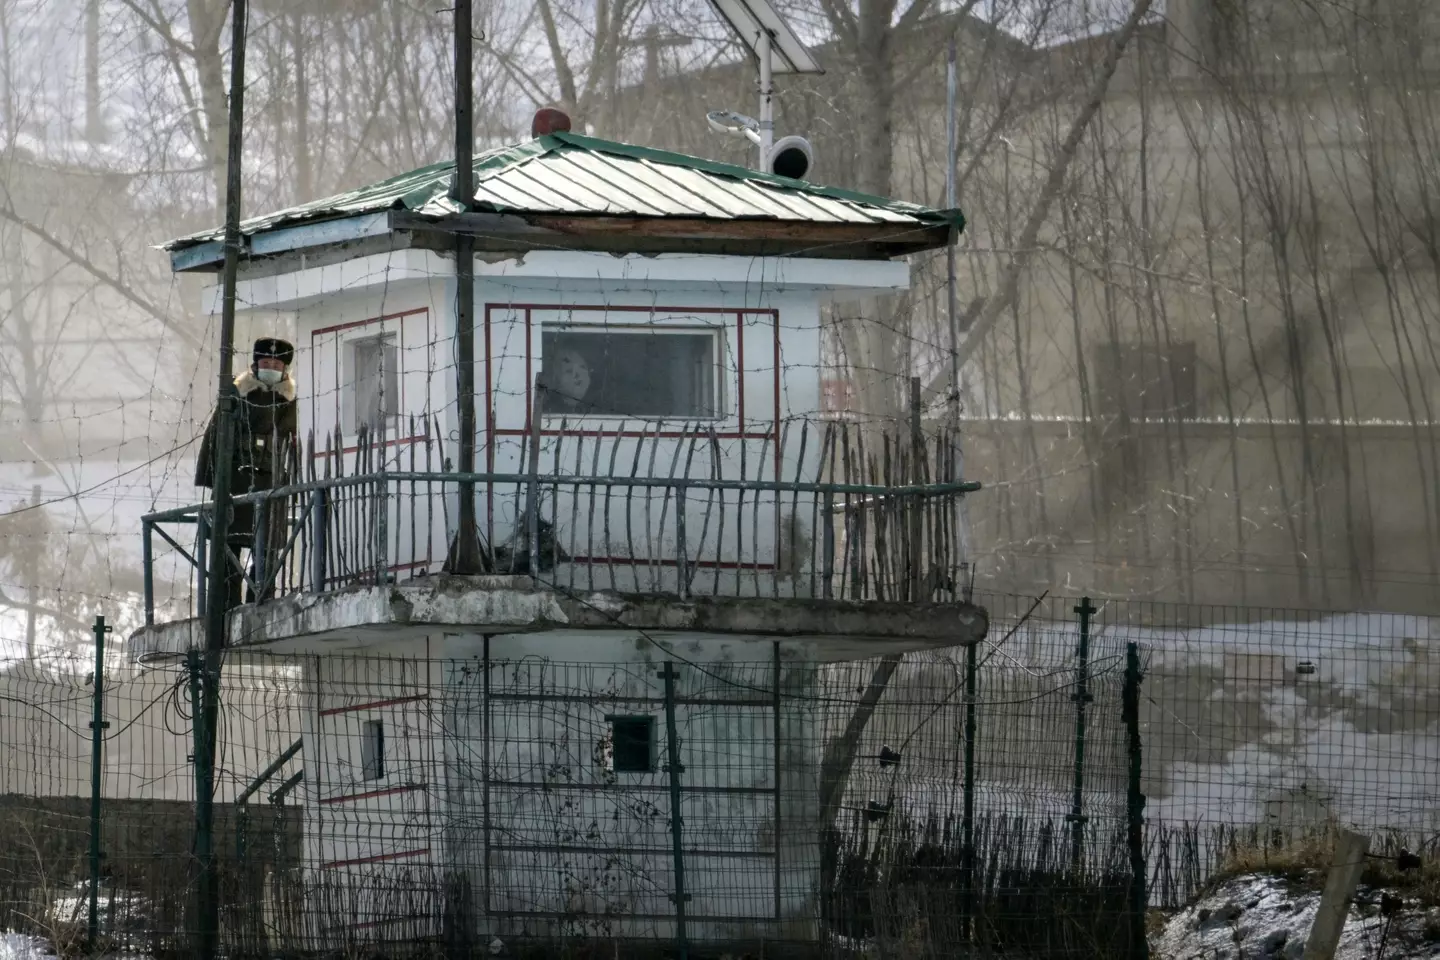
[[217, 607], [950, 304], [767, 105], [952, 147], [464, 556]]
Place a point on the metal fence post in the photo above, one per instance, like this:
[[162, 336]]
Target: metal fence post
[[1135, 806], [382, 512], [827, 574], [319, 529], [672, 742], [967, 820], [203, 692], [681, 547], [1081, 696], [202, 565], [147, 564], [258, 551], [98, 726]]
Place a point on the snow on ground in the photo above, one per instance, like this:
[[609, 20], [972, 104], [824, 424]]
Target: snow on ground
[[1287, 722], [1268, 918], [19, 946]]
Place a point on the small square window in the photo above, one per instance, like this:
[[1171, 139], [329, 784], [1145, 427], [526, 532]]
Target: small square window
[[372, 750], [374, 381], [632, 744]]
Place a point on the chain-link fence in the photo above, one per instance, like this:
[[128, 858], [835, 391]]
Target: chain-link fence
[[1032, 795], [1264, 729]]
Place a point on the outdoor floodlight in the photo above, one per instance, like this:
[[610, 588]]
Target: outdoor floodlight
[[760, 27]]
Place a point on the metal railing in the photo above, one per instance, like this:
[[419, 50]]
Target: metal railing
[[845, 526]]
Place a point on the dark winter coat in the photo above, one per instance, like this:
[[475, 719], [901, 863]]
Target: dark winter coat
[[266, 429]]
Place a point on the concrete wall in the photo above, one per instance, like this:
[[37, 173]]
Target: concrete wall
[[576, 848], [766, 321], [372, 843], [516, 801]]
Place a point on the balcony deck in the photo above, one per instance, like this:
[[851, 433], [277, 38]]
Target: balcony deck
[[829, 553]]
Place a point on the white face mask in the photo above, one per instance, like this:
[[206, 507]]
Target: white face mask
[[270, 377]]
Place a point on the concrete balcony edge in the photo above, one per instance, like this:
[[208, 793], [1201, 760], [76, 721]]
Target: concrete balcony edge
[[509, 605]]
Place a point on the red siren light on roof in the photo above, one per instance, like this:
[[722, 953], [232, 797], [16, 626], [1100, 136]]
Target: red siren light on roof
[[548, 120]]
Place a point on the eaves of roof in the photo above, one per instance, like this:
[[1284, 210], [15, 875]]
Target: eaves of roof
[[580, 180]]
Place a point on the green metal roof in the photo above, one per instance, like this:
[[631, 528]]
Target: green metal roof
[[572, 175]]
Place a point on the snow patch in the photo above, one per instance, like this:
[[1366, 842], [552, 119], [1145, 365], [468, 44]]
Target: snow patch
[[1269, 918]]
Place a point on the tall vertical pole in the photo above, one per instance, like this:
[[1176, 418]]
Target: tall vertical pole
[[464, 555], [967, 816], [672, 747], [217, 601], [1135, 806], [951, 146], [914, 506], [767, 104], [1081, 696], [94, 126], [98, 727], [147, 569], [32, 594]]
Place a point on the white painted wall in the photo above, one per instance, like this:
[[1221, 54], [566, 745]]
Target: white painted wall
[[759, 332], [372, 845], [765, 311], [578, 849], [414, 312], [572, 848]]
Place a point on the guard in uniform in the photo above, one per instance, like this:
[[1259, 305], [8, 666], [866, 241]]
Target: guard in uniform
[[265, 456]]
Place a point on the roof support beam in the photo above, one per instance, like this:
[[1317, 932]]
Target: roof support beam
[[681, 235]]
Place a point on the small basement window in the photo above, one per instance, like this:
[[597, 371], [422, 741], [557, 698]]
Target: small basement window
[[632, 744], [374, 383], [631, 372], [372, 750]]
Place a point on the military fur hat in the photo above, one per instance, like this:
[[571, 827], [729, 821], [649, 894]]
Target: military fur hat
[[274, 348]]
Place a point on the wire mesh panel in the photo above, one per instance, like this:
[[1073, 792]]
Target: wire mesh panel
[[581, 789], [985, 809], [1265, 729]]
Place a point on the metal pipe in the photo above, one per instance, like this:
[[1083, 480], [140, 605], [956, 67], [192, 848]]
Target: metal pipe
[[318, 521], [672, 746], [97, 758], [967, 816], [202, 528], [1081, 696], [1135, 804], [698, 483], [951, 306], [779, 759], [270, 771], [147, 562], [464, 554], [767, 105], [208, 705], [284, 789]]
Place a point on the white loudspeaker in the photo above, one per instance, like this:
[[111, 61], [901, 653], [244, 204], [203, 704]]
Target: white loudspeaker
[[791, 157]]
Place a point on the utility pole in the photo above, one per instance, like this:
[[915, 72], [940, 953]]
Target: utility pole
[[464, 555], [217, 609], [950, 292], [94, 124], [764, 50], [32, 595], [952, 147]]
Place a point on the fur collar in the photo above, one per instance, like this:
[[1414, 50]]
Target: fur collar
[[247, 383]]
